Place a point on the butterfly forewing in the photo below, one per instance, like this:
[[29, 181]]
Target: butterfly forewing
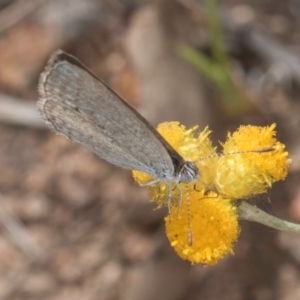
[[80, 106]]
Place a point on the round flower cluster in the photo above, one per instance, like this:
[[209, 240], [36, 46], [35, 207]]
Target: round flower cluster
[[202, 226]]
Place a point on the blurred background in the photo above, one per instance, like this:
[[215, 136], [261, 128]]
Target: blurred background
[[73, 226]]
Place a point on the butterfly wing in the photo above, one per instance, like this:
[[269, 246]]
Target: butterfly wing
[[75, 103]]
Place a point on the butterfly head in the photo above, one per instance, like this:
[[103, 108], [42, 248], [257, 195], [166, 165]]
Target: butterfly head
[[188, 173]]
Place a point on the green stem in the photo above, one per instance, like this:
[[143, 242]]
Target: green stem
[[216, 35], [254, 214]]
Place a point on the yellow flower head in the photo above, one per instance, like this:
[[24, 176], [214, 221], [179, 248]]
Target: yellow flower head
[[244, 174], [191, 146], [213, 224]]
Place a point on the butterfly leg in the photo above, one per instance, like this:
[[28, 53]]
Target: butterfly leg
[[150, 182]]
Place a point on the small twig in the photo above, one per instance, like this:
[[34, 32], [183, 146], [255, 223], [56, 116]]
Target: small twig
[[18, 112], [17, 12], [283, 63], [254, 214], [19, 234]]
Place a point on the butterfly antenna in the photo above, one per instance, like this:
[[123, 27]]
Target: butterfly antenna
[[190, 233], [262, 150]]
